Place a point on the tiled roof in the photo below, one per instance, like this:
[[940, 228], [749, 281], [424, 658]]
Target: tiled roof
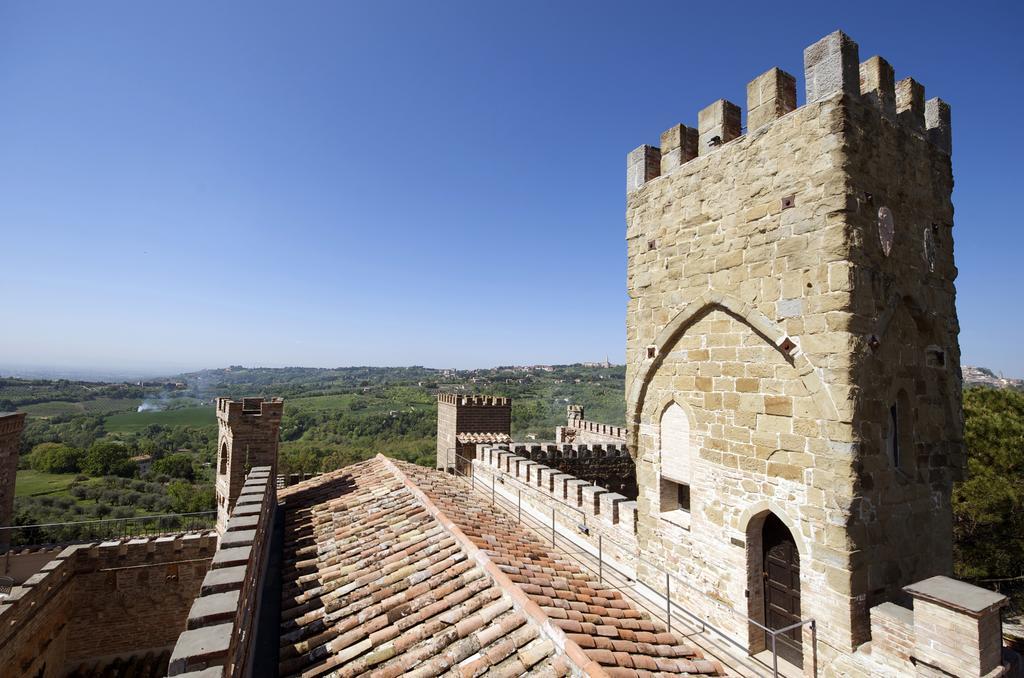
[[373, 583], [484, 438], [392, 568]]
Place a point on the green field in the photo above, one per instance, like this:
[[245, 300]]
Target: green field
[[31, 482], [56, 408], [133, 422]]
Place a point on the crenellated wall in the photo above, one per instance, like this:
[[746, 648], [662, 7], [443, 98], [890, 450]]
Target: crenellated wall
[[96, 602], [791, 296], [468, 414], [606, 464], [248, 436], [609, 517], [221, 621], [580, 430]]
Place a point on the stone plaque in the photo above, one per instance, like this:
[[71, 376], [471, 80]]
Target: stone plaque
[[886, 229]]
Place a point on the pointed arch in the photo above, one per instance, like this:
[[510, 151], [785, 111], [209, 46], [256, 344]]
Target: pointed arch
[[745, 313]]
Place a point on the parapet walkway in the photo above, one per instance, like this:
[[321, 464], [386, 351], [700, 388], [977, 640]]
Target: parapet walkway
[[620, 575]]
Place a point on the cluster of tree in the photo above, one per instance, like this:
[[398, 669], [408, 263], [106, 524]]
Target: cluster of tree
[[106, 458], [988, 506]]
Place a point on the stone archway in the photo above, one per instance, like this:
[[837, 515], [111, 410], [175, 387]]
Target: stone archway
[[758, 322], [773, 584]]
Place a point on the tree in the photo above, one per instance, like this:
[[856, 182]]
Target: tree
[[108, 458], [186, 498], [177, 465], [988, 506], [55, 458]]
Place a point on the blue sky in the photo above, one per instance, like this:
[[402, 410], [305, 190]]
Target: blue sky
[[196, 184]]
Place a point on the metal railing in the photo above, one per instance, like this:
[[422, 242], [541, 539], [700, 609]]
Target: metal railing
[[101, 529], [506, 480]]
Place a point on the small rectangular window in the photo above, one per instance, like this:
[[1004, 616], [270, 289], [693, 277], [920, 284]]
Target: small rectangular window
[[675, 496]]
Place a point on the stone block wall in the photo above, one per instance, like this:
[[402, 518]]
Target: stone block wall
[[576, 503], [458, 414], [582, 431], [773, 301], [101, 601], [249, 436], [606, 464], [221, 621], [11, 424]]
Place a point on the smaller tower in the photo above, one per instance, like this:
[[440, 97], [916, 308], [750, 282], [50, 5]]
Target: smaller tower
[[465, 421], [11, 424], [248, 436]]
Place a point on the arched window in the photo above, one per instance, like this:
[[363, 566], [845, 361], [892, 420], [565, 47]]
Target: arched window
[[223, 458], [674, 432]]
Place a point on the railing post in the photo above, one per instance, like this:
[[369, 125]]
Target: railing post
[[600, 558], [775, 658], [492, 489], [519, 506], [668, 601], [814, 647]]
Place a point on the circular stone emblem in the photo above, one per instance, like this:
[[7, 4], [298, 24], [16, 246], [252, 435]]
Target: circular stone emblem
[[929, 248], [886, 229]]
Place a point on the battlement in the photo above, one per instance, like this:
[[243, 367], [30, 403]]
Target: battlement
[[831, 67], [65, 613], [233, 410], [473, 400], [11, 423], [221, 622]]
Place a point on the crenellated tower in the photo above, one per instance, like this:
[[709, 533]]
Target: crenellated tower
[[793, 369], [465, 421], [249, 435]]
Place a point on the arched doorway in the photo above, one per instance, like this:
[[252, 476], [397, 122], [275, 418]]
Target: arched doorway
[[780, 572]]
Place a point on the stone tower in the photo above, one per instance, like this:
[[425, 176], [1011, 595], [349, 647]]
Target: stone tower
[[11, 424], [465, 421], [249, 434], [794, 387]]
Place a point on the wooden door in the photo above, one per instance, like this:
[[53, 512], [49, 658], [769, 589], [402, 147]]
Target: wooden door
[[782, 589]]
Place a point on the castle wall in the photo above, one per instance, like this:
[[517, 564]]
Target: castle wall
[[759, 297], [249, 436], [608, 465], [904, 331], [468, 414], [221, 622], [761, 437], [11, 424], [96, 602], [582, 431]]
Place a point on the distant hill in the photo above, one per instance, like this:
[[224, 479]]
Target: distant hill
[[982, 376]]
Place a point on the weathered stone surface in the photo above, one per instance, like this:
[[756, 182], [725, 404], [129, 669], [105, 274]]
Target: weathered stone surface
[[770, 313]]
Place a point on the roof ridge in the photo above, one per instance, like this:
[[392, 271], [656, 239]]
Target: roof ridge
[[519, 598]]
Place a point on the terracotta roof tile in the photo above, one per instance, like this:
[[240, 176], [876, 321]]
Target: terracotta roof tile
[[378, 579]]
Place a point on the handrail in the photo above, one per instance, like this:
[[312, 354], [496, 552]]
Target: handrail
[[109, 520], [635, 554], [83, 531]]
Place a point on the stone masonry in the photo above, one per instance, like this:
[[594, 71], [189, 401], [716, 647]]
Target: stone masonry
[[580, 430], [101, 601], [476, 414], [791, 297], [248, 437], [11, 424]]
